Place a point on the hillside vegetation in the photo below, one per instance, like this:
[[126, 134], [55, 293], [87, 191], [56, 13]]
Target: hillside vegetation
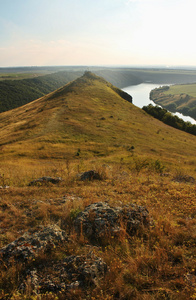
[[15, 93], [168, 118], [139, 162], [38, 81], [177, 98]]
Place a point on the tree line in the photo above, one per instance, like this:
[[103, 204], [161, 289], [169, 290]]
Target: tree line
[[168, 118], [15, 93]]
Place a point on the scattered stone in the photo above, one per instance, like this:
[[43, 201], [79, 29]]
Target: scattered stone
[[99, 221], [70, 273], [4, 187], [90, 175], [184, 178], [164, 174], [29, 245], [44, 180]]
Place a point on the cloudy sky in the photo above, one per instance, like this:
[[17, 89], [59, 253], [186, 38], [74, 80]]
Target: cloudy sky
[[97, 32]]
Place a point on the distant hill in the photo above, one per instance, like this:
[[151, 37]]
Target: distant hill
[[14, 93], [177, 98], [91, 115]]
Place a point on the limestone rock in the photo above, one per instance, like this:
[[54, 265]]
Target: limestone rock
[[44, 180], [90, 175], [99, 220], [73, 272], [29, 245]]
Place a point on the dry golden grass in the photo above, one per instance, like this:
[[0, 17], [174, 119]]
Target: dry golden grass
[[152, 265], [157, 263]]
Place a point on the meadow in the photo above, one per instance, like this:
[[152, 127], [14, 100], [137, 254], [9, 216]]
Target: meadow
[[189, 89], [157, 263]]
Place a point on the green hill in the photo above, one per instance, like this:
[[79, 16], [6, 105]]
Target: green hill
[[15, 93]]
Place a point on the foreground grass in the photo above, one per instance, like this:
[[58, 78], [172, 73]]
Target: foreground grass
[[158, 263]]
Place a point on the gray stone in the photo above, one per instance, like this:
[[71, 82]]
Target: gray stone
[[99, 221], [29, 245], [44, 180], [81, 271], [90, 175]]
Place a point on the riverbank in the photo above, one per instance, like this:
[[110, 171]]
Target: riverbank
[[141, 95]]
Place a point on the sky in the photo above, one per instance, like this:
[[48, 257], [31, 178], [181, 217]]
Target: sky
[[97, 32]]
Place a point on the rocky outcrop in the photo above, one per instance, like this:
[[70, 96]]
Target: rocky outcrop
[[44, 180], [29, 245], [183, 178], [99, 221], [90, 175], [70, 273]]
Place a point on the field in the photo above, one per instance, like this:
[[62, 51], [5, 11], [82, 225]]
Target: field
[[189, 89], [157, 263], [19, 76]]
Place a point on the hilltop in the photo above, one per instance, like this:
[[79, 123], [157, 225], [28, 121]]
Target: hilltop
[[38, 81], [91, 114], [97, 199]]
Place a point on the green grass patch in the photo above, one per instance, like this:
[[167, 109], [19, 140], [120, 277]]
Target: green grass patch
[[189, 89]]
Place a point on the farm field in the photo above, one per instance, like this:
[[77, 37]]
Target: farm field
[[189, 89]]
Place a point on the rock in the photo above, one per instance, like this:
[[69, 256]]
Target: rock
[[44, 180], [90, 175], [99, 221], [4, 187], [184, 178], [29, 245], [72, 272]]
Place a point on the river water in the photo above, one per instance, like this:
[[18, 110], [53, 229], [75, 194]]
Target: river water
[[141, 92]]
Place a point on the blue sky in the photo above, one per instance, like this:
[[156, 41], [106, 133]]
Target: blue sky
[[97, 32]]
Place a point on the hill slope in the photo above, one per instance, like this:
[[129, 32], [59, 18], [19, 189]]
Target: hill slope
[[15, 93], [93, 115], [91, 125]]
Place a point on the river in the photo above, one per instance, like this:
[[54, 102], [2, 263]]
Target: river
[[140, 94]]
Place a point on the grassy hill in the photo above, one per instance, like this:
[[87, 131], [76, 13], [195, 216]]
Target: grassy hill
[[15, 93], [91, 113], [36, 82], [90, 124]]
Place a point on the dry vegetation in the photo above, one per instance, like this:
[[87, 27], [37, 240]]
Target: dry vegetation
[[158, 173], [158, 263]]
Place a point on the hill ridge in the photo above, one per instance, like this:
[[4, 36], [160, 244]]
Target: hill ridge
[[87, 78], [89, 114]]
